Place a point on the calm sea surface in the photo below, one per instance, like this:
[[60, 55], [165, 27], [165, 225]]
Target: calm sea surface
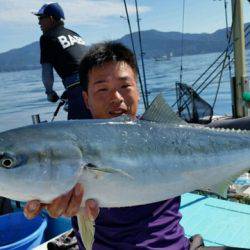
[[22, 93]]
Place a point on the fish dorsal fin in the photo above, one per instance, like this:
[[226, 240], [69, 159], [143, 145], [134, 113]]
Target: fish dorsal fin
[[160, 111]]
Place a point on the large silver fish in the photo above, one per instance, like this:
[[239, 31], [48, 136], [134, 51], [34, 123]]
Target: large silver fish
[[120, 162]]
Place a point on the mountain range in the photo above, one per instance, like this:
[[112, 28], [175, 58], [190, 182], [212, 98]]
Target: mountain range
[[154, 43]]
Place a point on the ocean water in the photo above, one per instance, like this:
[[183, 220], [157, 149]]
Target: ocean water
[[22, 93]]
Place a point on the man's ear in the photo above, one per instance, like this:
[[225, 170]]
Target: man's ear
[[85, 98], [52, 20]]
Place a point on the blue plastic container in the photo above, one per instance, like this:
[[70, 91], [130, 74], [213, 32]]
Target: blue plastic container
[[16, 232], [56, 226]]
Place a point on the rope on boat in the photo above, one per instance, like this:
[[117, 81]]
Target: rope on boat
[[182, 39], [247, 34], [142, 54], [226, 54], [133, 47], [229, 35]]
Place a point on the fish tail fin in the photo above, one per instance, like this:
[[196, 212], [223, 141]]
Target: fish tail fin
[[222, 188], [86, 229]]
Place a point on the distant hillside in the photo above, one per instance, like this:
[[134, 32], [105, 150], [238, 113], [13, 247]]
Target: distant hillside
[[155, 43], [24, 58]]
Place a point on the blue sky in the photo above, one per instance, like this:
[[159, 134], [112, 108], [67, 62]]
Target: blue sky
[[97, 20]]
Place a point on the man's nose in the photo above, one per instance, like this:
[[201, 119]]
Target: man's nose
[[116, 96]]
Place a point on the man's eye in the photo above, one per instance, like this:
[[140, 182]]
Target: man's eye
[[125, 86], [102, 90]]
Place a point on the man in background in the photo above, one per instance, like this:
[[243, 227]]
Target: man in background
[[62, 50]]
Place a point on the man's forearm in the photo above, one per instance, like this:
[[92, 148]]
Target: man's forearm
[[48, 80], [47, 77]]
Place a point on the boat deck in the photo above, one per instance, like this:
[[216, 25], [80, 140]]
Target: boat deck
[[219, 222]]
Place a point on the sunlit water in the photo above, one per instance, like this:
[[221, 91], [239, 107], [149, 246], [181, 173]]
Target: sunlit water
[[22, 93]]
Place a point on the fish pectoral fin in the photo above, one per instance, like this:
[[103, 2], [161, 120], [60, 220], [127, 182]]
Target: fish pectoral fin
[[86, 229], [97, 169], [160, 111]]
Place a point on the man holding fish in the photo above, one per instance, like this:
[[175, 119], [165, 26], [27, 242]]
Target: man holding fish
[[110, 90]]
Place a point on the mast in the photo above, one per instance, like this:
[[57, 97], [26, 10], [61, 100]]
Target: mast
[[239, 83]]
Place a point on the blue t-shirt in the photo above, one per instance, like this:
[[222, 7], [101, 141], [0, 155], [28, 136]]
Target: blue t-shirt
[[152, 226]]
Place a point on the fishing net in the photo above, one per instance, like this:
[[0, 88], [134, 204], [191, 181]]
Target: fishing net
[[191, 107]]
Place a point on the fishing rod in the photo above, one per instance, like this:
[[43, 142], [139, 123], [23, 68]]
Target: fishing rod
[[63, 102]]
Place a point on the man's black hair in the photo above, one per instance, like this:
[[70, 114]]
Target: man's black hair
[[58, 21], [102, 53]]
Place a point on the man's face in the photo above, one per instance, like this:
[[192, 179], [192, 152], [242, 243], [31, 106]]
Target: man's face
[[45, 23], [112, 91]]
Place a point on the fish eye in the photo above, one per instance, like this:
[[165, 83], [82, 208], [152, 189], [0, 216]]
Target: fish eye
[[7, 161]]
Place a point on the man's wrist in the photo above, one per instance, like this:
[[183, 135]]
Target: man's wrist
[[49, 91], [52, 96]]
